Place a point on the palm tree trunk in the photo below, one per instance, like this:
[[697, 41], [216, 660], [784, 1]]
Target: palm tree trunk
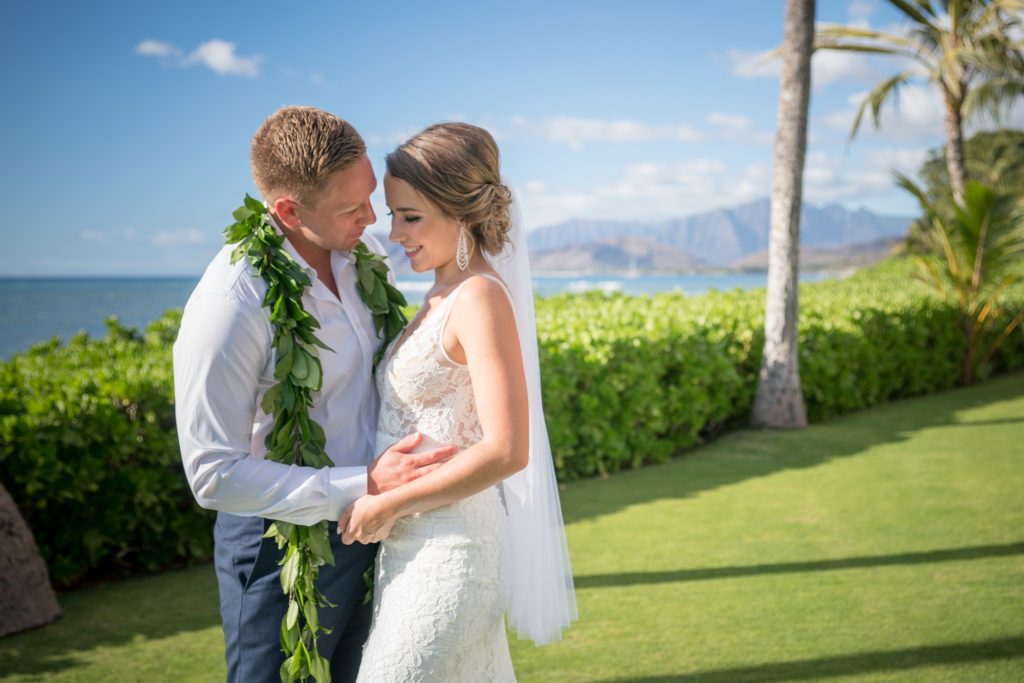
[[955, 146], [26, 598], [779, 401]]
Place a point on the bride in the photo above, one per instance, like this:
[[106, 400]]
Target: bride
[[482, 535]]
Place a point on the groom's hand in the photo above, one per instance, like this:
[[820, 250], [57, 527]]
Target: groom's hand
[[399, 464]]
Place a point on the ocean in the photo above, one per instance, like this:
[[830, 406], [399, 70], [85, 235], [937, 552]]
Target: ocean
[[33, 310]]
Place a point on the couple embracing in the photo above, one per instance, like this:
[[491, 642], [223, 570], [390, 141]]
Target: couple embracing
[[441, 477]]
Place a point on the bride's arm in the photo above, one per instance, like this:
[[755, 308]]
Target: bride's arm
[[483, 325]]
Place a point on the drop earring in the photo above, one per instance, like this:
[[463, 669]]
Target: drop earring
[[462, 250]]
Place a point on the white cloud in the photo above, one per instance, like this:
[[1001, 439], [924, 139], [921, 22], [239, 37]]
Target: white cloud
[[917, 114], [860, 10], [174, 238], [831, 66], [156, 48], [90, 235], [831, 178], [906, 160], [219, 56], [738, 128], [575, 132], [659, 191], [644, 191], [827, 66], [730, 121], [754, 64]]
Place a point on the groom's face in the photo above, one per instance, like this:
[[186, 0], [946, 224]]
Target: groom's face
[[343, 210]]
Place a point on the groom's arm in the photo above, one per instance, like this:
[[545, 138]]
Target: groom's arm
[[222, 349]]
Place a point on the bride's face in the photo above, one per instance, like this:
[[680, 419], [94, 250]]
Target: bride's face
[[429, 236]]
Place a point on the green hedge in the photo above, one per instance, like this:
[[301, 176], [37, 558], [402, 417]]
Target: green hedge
[[89, 451], [635, 380]]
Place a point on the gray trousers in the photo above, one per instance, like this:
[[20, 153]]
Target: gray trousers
[[252, 603]]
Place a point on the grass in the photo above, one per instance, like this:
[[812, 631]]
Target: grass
[[886, 545]]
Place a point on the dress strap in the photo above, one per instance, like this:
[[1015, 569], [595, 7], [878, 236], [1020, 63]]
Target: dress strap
[[450, 303]]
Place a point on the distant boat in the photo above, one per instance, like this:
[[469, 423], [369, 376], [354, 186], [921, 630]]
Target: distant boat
[[633, 272]]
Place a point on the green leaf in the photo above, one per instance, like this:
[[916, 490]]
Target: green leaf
[[241, 213], [255, 205], [312, 617], [292, 615], [289, 636], [285, 343], [238, 252], [271, 295], [283, 426], [284, 366], [290, 568], [317, 434], [316, 375], [300, 367], [296, 659], [368, 582], [304, 426], [276, 310], [379, 298], [320, 669], [314, 456], [320, 545], [366, 278], [268, 404], [288, 396], [235, 232], [395, 296]]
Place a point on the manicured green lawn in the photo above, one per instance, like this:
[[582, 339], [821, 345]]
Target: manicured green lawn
[[882, 546]]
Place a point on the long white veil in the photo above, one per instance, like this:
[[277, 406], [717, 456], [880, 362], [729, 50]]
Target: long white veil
[[541, 597]]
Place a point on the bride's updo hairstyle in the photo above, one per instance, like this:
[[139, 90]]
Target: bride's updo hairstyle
[[456, 167]]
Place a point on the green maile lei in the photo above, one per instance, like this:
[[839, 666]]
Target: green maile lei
[[296, 438]]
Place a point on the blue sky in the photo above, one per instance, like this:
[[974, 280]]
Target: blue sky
[[126, 125]]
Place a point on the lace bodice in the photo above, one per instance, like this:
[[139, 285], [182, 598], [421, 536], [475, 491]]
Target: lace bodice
[[424, 389]]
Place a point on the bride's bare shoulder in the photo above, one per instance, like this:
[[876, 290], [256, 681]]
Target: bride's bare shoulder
[[482, 303], [483, 289]]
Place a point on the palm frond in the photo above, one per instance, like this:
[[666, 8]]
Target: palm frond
[[993, 97], [889, 88], [836, 31], [919, 13]]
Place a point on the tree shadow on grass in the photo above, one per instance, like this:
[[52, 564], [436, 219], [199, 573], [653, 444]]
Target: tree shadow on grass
[[710, 573], [826, 668], [747, 454], [115, 614]]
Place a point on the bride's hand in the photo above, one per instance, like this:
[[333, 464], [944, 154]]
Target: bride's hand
[[368, 520]]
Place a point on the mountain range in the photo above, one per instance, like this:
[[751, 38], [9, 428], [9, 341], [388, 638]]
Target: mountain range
[[727, 238]]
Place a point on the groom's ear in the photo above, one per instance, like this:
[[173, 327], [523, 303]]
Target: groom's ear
[[284, 209]]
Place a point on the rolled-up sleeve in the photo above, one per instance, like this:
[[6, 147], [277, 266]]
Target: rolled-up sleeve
[[219, 356]]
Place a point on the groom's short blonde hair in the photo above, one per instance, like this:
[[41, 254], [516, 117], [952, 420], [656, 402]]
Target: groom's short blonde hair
[[297, 149]]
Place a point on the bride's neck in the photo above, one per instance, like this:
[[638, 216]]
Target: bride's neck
[[450, 274]]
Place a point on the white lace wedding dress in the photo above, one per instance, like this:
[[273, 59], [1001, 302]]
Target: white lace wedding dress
[[438, 605]]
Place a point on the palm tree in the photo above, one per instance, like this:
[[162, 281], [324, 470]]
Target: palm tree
[[779, 400], [973, 258], [967, 49]]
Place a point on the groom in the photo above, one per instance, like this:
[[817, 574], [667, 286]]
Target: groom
[[312, 171]]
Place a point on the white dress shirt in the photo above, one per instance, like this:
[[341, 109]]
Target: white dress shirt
[[223, 365]]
